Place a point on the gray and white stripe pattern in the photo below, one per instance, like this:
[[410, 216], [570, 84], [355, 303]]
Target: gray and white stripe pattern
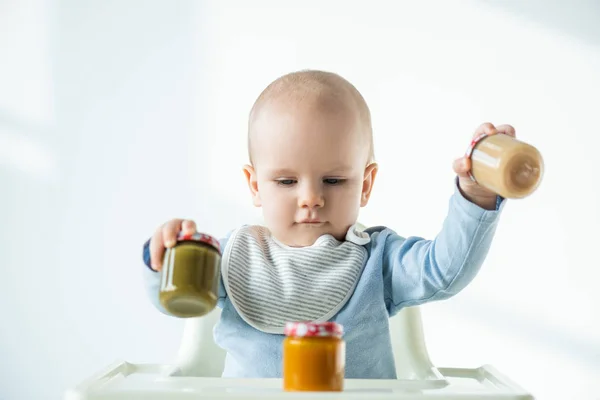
[[270, 284]]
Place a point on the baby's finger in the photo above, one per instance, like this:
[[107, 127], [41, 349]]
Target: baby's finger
[[188, 227], [507, 130], [170, 231], [487, 128], [462, 166], [157, 250]]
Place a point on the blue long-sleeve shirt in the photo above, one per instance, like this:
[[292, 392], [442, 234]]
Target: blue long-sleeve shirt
[[399, 272]]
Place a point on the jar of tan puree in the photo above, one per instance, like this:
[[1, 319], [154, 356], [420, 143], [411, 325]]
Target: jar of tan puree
[[190, 276], [508, 167], [314, 357]]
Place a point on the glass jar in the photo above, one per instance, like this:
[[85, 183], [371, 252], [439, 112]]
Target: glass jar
[[506, 166], [314, 357], [190, 276]]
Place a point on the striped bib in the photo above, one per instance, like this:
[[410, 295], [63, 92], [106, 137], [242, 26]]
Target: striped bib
[[270, 283]]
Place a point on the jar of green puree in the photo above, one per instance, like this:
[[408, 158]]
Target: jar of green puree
[[190, 276]]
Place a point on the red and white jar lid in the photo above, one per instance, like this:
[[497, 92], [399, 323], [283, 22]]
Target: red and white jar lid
[[200, 237], [313, 329], [469, 151]]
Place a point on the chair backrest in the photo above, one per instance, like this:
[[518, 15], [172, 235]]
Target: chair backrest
[[199, 355]]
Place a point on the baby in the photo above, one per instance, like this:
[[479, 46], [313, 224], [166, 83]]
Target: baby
[[311, 169]]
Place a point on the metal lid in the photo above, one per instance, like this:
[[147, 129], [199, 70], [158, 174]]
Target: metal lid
[[313, 329], [471, 148], [200, 237]]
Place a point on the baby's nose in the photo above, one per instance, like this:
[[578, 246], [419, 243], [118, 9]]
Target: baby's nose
[[311, 198]]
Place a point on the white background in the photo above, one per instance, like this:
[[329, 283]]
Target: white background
[[118, 115]]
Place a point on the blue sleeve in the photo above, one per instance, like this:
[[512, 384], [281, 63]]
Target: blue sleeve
[[152, 278], [416, 271]]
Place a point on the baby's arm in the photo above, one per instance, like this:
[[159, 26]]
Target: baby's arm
[[152, 278], [416, 270]]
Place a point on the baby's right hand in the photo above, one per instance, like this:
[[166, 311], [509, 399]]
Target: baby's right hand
[[166, 237]]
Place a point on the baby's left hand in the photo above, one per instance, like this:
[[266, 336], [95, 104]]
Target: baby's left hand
[[479, 195]]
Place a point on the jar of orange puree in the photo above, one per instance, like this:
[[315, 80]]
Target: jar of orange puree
[[314, 357]]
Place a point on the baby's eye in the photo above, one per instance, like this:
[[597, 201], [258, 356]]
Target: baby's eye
[[286, 182], [333, 181]]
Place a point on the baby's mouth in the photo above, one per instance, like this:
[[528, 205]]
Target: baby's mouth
[[311, 222]]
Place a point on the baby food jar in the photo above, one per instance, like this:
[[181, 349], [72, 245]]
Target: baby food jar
[[506, 166], [314, 357], [190, 276]]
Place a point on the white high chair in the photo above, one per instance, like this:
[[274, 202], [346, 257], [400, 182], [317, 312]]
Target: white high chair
[[199, 363]]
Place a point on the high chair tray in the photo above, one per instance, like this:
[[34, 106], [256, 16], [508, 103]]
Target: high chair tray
[[124, 380]]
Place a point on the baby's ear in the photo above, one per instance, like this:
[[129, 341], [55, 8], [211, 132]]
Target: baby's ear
[[250, 174], [368, 182]]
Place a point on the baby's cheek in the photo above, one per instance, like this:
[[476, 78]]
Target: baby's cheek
[[347, 207], [278, 207], [348, 198]]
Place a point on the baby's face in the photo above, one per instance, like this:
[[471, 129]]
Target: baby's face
[[310, 173]]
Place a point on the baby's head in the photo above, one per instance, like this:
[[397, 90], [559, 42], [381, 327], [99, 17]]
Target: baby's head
[[311, 156]]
